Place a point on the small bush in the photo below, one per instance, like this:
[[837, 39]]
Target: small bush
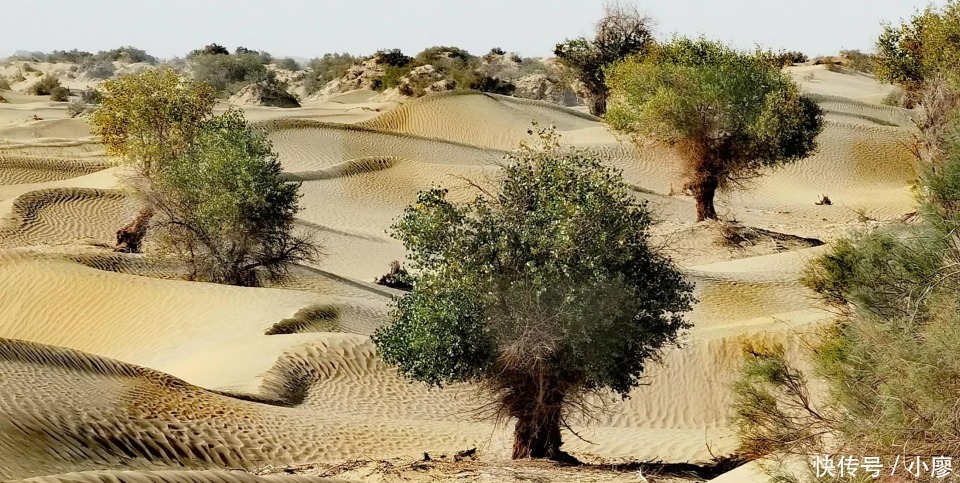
[[288, 64], [895, 98], [228, 73], [327, 68], [29, 68], [4, 84], [103, 69], [494, 85], [859, 61], [91, 96], [45, 86], [60, 94], [76, 108], [392, 57]]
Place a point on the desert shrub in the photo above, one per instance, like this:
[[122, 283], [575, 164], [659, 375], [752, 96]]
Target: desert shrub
[[72, 56], [497, 51], [60, 94], [859, 61], [729, 114], [435, 54], [19, 76], [392, 77], [322, 70], [228, 73], [29, 68], [543, 292], [224, 208], [126, 55], [211, 49], [76, 108], [4, 84], [100, 70], [288, 64], [44, 86], [392, 57], [889, 365], [622, 32], [895, 98], [91, 96], [782, 58], [494, 85]]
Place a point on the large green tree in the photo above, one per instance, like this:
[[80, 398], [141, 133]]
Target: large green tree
[[542, 291], [623, 31], [730, 114]]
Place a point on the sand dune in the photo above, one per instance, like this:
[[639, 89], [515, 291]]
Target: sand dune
[[115, 368]]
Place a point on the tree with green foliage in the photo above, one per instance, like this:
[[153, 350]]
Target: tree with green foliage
[[224, 208], [920, 49], [622, 32], [729, 114], [542, 292], [148, 120]]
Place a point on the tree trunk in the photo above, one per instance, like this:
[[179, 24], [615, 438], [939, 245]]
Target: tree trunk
[[537, 432], [597, 103], [537, 440], [703, 193], [131, 236]]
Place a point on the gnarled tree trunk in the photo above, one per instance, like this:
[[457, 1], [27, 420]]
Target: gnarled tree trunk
[[537, 401], [703, 193], [130, 237]]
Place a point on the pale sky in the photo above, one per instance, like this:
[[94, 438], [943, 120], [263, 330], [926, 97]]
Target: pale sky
[[301, 28]]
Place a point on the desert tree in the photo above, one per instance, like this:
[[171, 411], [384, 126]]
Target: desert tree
[[543, 290], [623, 31], [147, 120], [225, 210], [730, 114]]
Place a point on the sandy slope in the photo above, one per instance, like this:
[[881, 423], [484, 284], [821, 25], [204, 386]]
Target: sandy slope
[[126, 367]]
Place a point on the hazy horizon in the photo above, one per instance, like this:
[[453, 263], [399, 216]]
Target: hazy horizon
[[531, 27]]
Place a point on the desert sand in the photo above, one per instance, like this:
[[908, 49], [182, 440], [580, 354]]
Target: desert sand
[[112, 368]]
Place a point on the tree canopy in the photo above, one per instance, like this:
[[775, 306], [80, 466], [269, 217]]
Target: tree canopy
[[623, 31], [542, 291], [730, 114], [150, 118]]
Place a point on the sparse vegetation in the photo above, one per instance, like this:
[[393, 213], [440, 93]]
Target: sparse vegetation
[[227, 73], [709, 102], [60, 94], [327, 68], [4, 84], [622, 32], [895, 98], [543, 292], [288, 64], [859, 61], [44, 86]]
